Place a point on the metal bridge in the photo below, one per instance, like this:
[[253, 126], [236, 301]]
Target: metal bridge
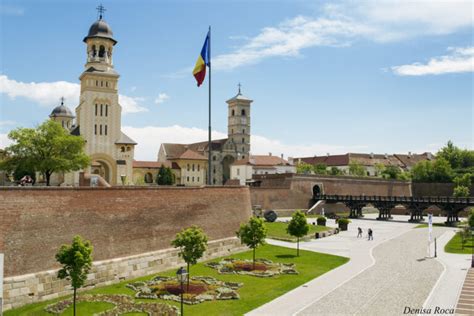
[[415, 205]]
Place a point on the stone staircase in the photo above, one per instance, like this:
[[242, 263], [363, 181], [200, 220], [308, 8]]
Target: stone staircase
[[466, 299]]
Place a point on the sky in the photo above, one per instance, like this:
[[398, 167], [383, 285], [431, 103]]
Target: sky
[[326, 77]]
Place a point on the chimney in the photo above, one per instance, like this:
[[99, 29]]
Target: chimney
[[371, 155], [281, 156], [386, 156], [270, 154], [409, 154]]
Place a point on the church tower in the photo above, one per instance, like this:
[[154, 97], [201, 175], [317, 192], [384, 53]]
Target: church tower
[[238, 127], [99, 112]]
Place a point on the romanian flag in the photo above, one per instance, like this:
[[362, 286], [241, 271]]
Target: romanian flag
[[203, 60]]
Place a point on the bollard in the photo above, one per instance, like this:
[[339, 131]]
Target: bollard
[[435, 248]]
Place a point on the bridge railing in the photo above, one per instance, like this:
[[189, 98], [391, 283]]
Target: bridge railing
[[396, 199]]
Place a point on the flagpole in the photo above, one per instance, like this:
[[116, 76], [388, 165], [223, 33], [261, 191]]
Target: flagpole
[[209, 182]]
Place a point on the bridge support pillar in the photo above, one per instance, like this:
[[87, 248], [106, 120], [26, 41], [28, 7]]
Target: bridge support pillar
[[416, 214]]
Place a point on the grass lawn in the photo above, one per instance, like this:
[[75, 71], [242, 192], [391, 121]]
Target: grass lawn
[[255, 291], [277, 230], [455, 245]]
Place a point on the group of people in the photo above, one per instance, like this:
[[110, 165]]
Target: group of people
[[370, 235]]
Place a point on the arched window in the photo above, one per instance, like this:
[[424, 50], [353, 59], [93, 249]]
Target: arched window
[[97, 83], [148, 178], [243, 112], [94, 50], [233, 112], [214, 158], [106, 110], [100, 129], [96, 109], [101, 109], [199, 168], [193, 179], [243, 140], [101, 51], [193, 169], [105, 132], [107, 84], [187, 179], [122, 149], [188, 170], [128, 148], [243, 131], [95, 129]]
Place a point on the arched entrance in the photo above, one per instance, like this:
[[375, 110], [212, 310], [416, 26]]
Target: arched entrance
[[226, 162], [101, 168], [148, 177], [316, 190]]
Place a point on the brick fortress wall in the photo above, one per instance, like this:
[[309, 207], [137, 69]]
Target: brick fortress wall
[[119, 221]]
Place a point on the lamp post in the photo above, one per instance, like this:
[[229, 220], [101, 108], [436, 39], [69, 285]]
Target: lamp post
[[182, 276]]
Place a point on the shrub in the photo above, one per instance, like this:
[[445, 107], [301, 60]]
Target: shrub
[[270, 216], [344, 220], [321, 220]]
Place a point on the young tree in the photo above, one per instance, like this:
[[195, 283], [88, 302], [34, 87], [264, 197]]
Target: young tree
[[304, 168], [48, 148], [165, 176], [192, 243], [335, 171], [253, 234], [438, 171], [298, 227], [320, 168], [391, 172], [76, 261], [356, 169], [461, 191]]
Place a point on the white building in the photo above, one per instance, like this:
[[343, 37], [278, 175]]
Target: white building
[[244, 169]]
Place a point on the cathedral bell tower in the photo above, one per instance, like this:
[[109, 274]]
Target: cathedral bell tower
[[99, 112], [238, 127]]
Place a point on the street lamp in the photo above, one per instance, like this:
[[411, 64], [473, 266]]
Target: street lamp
[[182, 276]]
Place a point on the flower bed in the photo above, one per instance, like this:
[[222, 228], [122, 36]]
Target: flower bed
[[123, 304], [200, 289], [263, 267]]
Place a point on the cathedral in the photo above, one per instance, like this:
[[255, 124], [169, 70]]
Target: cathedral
[[98, 115], [98, 121]]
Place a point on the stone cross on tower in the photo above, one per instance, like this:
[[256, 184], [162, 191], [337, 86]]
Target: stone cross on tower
[[62, 100], [100, 9], [239, 85]]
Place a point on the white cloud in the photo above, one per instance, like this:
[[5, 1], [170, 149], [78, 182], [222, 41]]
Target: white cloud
[[460, 60], [4, 140], [347, 21], [7, 123], [49, 93], [162, 97], [150, 138]]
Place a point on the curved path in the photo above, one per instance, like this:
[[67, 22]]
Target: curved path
[[382, 278]]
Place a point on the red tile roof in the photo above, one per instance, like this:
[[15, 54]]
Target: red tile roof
[[256, 160], [191, 155], [150, 164]]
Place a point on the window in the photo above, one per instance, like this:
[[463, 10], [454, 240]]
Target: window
[[101, 51], [101, 83], [214, 181], [107, 84], [97, 83], [243, 157], [238, 171], [106, 110], [122, 149], [199, 168], [96, 109], [148, 178], [232, 131], [105, 131], [243, 112], [100, 129], [128, 148], [193, 169], [193, 179], [243, 149], [101, 109], [95, 129], [188, 170], [243, 140], [187, 179], [214, 158], [243, 131], [233, 112], [214, 170], [198, 179]]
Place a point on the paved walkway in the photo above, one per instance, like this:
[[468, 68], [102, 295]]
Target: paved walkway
[[446, 292], [344, 244], [465, 305]]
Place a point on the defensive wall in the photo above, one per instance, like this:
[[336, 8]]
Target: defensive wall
[[295, 191], [130, 228]]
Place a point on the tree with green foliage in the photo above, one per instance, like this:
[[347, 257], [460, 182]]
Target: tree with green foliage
[[298, 227], [165, 176], [76, 261], [461, 191], [461, 160], [470, 219], [192, 243], [356, 169], [379, 169], [335, 171], [320, 168], [463, 180], [391, 172], [253, 234], [47, 149], [304, 168], [432, 171]]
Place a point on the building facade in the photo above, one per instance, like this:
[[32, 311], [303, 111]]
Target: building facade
[[98, 115], [225, 151], [244, 169]]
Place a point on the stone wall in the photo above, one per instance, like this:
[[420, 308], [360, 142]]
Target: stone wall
[[119, 221], [435, 189], [41, 286], [296, 191]]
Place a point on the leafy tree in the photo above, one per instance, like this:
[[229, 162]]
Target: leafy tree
[[192, 243], [253, 234], [320, 168], [298, 227], [428, 171], [356, 169], [335, 171], [461, 191], [391, 172], [470, 219], [47, 149], [379, 169], [21, 171], [404, 176], [76, 261], [165, 176], [304, 168], [463, 180], [461, 160]]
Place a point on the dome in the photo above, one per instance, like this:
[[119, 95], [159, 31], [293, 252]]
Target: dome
[[100, 28], [61, 111]]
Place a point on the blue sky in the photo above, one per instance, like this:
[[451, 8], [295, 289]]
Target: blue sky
[[335, 77]]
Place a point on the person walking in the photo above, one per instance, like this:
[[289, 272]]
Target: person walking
[[359, 232], [370, 234]]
